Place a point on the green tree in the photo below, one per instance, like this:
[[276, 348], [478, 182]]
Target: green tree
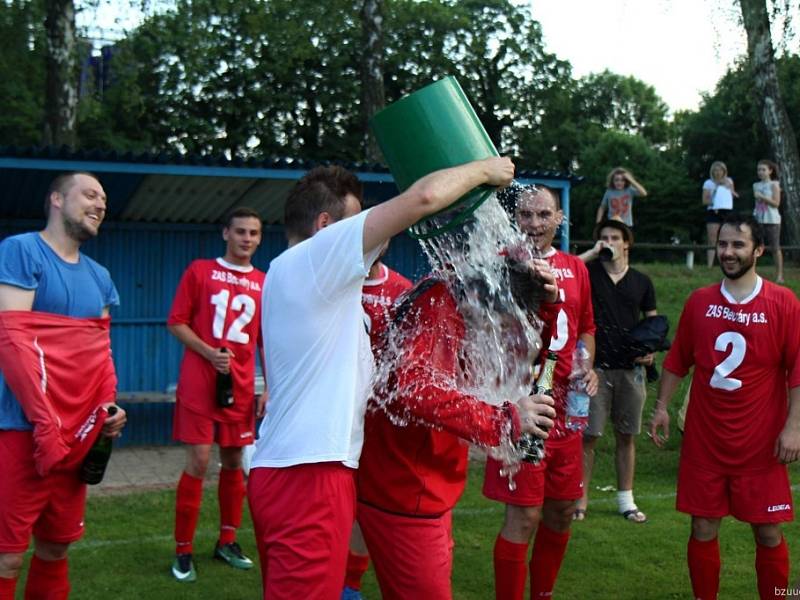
[[22, 65]]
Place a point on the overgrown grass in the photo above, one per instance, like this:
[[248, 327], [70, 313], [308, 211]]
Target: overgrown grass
[[128, 548]]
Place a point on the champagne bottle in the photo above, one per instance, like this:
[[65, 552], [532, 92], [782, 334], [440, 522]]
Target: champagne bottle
[[96, 461], [224, 391], [531, 447]]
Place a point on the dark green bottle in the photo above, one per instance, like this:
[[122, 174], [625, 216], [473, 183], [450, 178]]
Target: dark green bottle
[[224, 391], [96, 461], [531, 447]]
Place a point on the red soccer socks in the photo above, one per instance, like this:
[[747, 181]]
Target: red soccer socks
[[231, 493], [772, 569], [357, 565], [510, 569], [47, 580], [549, 548], [704, 564], [187, 511]]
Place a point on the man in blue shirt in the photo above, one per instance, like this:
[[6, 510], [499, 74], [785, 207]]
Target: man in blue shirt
[[45, 271]]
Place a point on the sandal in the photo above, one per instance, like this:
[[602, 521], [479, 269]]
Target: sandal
[[634, 516], [579, 514]]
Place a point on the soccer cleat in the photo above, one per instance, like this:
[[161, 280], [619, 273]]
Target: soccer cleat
[[232, 554], [183, 568], [349, 593]]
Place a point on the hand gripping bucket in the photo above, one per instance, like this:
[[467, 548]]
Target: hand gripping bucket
[[434, 128]]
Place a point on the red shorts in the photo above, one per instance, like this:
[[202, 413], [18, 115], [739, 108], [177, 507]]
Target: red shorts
[[191, 427], [303, 516], [764, 497], [412, 556], [51, 508], [559, 476]]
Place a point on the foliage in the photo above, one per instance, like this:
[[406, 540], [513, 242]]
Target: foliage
[[22, 65]]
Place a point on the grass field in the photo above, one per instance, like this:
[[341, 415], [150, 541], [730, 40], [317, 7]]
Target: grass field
[[128, 546]]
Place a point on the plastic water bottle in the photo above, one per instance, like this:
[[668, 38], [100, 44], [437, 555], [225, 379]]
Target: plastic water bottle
[[577, 399]]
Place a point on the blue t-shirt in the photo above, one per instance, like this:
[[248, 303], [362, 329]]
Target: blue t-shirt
[[79, 290]]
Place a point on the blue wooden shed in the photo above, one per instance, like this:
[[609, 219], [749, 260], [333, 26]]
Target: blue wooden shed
[[163, 212]]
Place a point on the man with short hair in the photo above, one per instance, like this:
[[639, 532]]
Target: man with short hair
[[382, 288], [544, 498], [45, 272], [301, 487], [216, 316], [620, 296], [743, 339]]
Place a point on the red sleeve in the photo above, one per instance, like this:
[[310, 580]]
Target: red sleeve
[[427, 379], [586, 318], [680, 357], [792, 344], [183, 304]]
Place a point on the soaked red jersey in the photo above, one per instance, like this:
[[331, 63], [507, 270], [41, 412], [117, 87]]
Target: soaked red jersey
[[745, 355], [377, 297], [221, 303], [420, 468], [575, 317], [60, 371]]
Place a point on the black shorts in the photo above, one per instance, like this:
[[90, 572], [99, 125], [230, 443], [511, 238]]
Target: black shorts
[[717, 216]]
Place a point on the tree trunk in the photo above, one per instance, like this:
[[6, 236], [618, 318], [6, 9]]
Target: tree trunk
[[373, 98], [780, 133], [61, 94]]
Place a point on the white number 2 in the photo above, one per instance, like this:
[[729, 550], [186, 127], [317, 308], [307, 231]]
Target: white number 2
[[738, 344], [242, 303]]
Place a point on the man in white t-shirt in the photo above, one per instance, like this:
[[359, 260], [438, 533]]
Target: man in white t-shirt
[[319, 364]]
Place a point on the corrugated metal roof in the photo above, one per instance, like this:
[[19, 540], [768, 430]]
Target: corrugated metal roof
[[164, 188]]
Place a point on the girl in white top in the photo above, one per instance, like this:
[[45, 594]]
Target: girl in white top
[[718, 195], [767, 195]]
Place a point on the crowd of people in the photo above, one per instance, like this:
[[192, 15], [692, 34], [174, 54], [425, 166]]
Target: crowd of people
[[341, 477]]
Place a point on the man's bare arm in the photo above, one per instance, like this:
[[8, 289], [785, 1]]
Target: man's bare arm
[[15, 298], [431, 194], [187, 337]]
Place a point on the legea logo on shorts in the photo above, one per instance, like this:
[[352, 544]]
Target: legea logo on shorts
[[246, 434], [778, 508]]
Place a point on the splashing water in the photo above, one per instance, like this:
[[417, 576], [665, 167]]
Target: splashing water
[[499, 341]]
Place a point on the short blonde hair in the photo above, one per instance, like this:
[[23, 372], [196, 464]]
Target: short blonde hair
[[721, 165]]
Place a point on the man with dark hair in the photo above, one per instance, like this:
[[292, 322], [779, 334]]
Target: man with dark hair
[[544, 499], [45, 272], [743, 339], [302, 486], [621, 295], [216, 316]]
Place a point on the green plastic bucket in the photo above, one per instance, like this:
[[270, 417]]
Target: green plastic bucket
[[434, 128]]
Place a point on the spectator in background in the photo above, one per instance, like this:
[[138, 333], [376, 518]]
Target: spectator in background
[[718, 195], [767, 195], [621, 295], [618, 199]]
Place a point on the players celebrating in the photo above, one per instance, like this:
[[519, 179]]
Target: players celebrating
[[743, 339], [216, 315]]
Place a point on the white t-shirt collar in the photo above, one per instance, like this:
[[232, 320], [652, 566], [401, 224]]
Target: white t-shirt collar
[[729, 297], [221, 261]]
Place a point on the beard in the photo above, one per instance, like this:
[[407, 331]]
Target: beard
[[77, 230], [742, 267]]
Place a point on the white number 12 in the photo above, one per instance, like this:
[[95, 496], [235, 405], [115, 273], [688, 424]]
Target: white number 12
[[242, 303]]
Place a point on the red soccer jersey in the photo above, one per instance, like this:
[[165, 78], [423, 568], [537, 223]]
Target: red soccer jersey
[[221, 303], [421, 468], [377, 297], [744, 356], [575, 317]]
